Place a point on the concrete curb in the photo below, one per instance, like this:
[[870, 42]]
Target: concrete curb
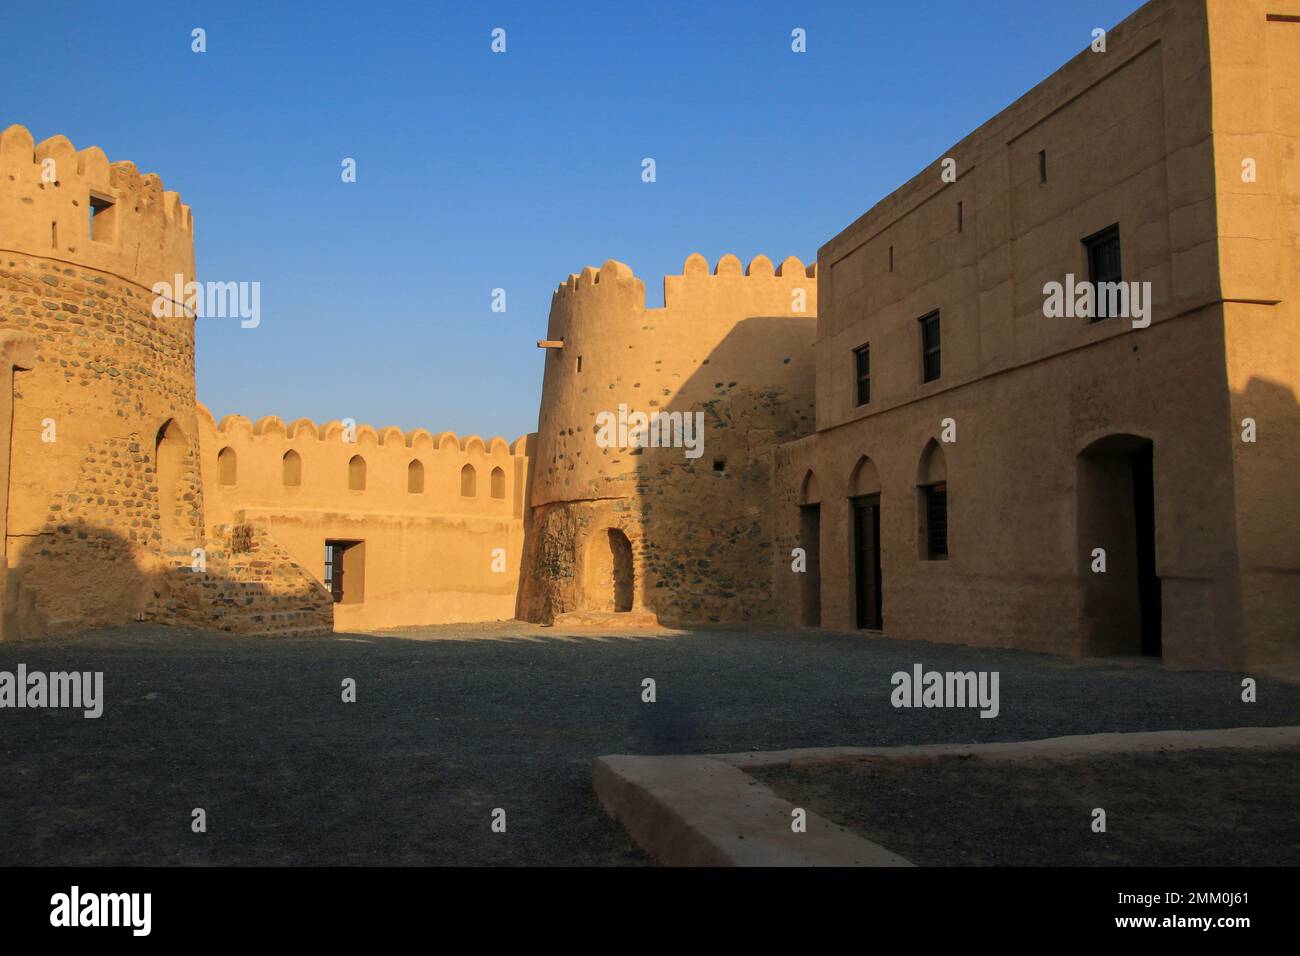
[[698, 811], [706, 811], [1060, 748]]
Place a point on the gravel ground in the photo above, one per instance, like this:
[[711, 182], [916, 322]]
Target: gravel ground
[[1201, 808], [450, 723]]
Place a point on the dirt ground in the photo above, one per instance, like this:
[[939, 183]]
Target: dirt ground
[[1189, 808], [451, 723]]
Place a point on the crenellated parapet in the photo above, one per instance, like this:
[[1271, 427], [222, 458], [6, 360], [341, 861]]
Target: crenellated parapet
[[76, 206], [728, 336], [272, 428], [337, 465], [726, 292]]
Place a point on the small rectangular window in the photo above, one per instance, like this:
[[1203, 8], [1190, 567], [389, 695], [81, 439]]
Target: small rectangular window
[[936, 521], [930, 366], [101, 217], [862, 369], [345, 571], [959, 217], [1042, 165], [1103, 267], [891, 258]]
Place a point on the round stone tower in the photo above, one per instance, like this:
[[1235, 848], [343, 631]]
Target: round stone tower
[[651, 483], [104, 486]]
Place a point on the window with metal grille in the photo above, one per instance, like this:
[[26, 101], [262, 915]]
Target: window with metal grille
[[862, 365], [930, 347], [1103, 266], [936, 521]]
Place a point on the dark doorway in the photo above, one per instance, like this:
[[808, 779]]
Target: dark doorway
[[345, 571], [1144, 515], [620, 550], [810, 588], [1117, 524], [866, 562]]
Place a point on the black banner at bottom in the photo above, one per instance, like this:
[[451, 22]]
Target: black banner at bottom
[[339, 906]]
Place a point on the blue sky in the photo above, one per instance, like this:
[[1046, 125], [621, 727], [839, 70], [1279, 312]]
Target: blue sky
[[478, 171]]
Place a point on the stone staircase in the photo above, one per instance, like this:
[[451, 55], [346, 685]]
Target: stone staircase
[[250, 586]]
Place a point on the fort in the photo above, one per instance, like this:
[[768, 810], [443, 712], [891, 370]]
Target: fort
[[821, 387]]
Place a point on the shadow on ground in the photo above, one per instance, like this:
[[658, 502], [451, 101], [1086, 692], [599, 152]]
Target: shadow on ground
[[451, 723]]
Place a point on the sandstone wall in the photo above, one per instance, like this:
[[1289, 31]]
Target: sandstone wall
[[1256, 116], [430, 541], [732, 344], [88, 525], [1126, 137]]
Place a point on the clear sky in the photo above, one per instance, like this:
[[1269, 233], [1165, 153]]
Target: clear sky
[[478, 171]]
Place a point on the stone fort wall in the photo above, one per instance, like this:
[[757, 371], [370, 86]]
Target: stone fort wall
[[440, 518], [733, 344], [87, 523], [105, 492]]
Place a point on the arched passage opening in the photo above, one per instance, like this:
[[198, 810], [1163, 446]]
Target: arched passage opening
[[864, 508], [170, 453], [1117, 547], [810, 536], [609, 574]]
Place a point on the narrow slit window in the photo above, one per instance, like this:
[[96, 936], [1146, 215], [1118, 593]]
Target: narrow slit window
[[1042, 165], [862, 369], [930, 365]]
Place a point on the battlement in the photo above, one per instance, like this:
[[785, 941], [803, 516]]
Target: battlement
[[270, 465], [73, 205], [717, 297], [273, 427], [615, 275]]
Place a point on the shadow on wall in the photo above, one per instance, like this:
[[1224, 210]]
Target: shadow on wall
[[79, 577], [704, 553], [1267, 485]]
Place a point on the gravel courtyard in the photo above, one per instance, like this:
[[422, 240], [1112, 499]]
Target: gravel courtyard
[[450, 723]]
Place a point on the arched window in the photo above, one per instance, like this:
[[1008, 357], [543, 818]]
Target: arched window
[[357, 473], [932, 503], [498, 483], [226, 466], [468, 482], [292, 469], [415, 478]]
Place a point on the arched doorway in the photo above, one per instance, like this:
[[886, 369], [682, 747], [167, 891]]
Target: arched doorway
[[609, 577], [171, 450], [1117, 532]]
